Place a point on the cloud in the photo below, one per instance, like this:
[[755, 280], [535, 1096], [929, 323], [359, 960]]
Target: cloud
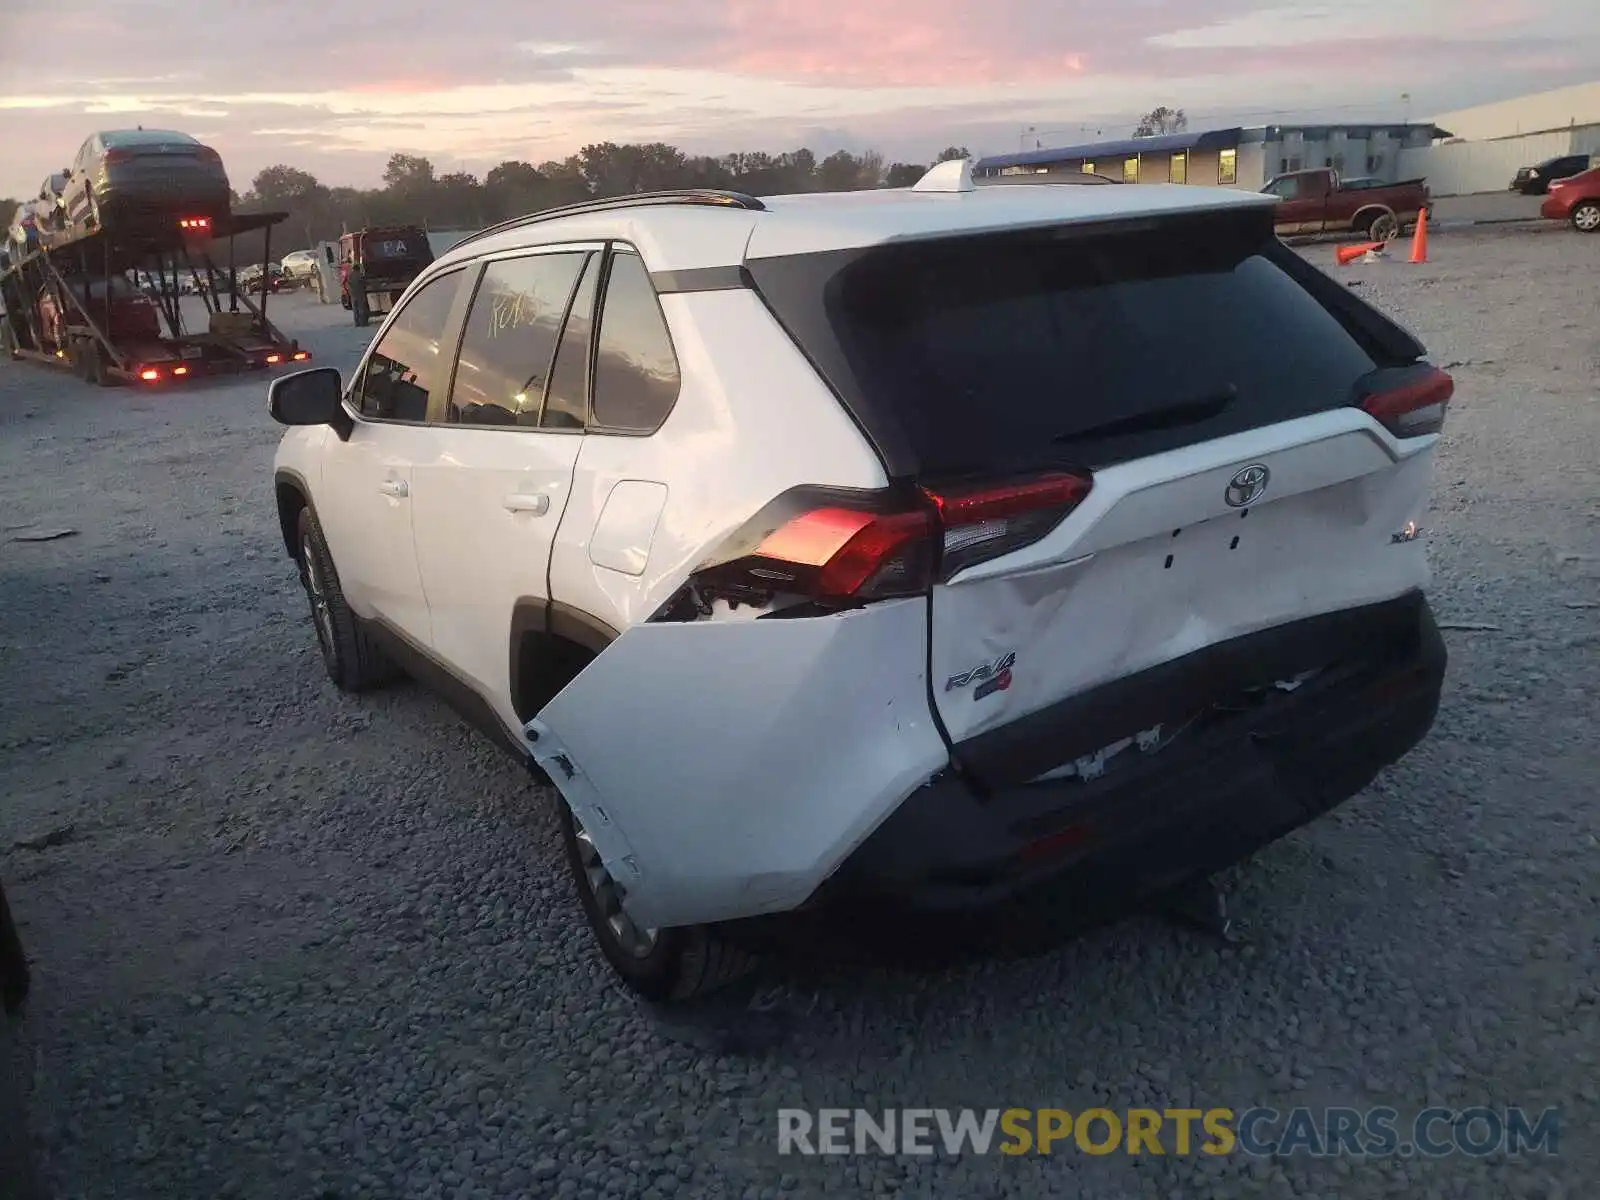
[[338, 87]]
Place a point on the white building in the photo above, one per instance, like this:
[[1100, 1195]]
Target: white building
[[1491, 141]]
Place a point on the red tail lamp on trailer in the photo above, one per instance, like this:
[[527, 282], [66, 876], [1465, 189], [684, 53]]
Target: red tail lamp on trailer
[[149, 374], [195, 224], [840, 548], [180, 370]]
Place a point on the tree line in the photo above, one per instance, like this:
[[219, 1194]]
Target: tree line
[[414, 192]]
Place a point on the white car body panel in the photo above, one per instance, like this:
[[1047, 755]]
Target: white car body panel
[[482, 542], [1114, 589], [808, 224], [364, 507], [752, 421], [821, 728]]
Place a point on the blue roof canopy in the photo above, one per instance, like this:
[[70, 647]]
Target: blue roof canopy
[[1164, 143]]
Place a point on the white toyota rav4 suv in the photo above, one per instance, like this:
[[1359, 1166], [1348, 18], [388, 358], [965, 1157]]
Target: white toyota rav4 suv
[[924, 546]]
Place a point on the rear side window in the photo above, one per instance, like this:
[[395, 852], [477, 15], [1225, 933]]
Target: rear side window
[[510, 339], [410, 363], [636, 370], [1067, 348]]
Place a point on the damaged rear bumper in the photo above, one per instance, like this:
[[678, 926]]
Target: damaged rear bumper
[[1230, 784]]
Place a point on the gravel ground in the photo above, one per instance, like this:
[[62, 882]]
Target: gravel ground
[[291, 945]]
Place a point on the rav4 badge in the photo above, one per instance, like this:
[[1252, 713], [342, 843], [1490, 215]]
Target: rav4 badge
[[990, 677]]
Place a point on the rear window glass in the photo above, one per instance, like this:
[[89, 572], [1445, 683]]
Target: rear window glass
[[146, 137], [1018, 350]]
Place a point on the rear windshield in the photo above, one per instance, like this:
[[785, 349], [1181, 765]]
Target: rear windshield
[[1015, 351], [146, 137]]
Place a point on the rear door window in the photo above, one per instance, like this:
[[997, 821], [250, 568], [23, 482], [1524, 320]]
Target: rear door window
[[510, 339], [1064, 348]]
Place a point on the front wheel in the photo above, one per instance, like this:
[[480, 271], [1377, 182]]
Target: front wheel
[[659, 965], [1586, 217], [352, 661], [1383, 228]]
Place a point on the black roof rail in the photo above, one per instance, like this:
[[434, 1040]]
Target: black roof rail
[[710, 197]]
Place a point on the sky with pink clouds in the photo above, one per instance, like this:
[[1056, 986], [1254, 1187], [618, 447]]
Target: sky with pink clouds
[[336, 86]]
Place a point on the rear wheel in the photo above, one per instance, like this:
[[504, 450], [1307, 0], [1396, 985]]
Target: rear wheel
[[352, 661], [1586, 217], [1383, 228], [657, 964]]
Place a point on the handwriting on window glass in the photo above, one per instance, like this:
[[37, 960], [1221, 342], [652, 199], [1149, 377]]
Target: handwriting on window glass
[[511, 310]]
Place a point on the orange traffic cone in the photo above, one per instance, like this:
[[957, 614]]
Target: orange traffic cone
[[1344, 255], [1419, 240]]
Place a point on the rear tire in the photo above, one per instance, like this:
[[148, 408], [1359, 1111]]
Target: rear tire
[[1586, 216], [353, 662], [1383, 228], [664, 965]]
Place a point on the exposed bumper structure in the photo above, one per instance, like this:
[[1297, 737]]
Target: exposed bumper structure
[[1250, 767]]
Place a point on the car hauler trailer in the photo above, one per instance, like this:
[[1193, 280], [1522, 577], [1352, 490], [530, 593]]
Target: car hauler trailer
[[73, 305]]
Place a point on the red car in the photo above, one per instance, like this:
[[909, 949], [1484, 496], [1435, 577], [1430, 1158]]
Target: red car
[[1575, 199], [133, 314]]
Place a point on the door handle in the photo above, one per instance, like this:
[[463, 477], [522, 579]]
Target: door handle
[[538, 503], [395, 487]]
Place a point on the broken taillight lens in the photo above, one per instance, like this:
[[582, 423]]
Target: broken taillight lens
[[838, 548], [984, 521], [1410, 402]]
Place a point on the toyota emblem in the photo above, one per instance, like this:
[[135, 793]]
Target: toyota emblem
[[1247, 485]]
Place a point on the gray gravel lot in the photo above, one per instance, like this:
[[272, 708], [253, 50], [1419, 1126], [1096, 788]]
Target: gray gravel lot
[[295, 945]]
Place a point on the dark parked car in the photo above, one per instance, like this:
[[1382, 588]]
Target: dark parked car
[[140, 177], [1535, 180]]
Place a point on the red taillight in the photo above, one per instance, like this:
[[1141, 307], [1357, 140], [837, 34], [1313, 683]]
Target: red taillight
[[1415, 405], [837, 549], [149, 374], [986, 521], [274, 358], [300, 356], [195, 224], [180, 370]]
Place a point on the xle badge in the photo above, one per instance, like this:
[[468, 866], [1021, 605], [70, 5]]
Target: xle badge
[[990, 677]]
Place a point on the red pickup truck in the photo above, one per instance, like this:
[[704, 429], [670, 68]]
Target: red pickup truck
[[1318, 201]]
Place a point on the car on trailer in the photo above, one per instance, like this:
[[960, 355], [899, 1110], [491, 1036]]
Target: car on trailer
[[110, 306], [377, 264], [142, 179]]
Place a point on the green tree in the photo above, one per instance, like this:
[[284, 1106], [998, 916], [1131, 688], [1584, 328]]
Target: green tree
[[1161, 119], [950, 152], [284, 186], [408, 173], [903, 175]]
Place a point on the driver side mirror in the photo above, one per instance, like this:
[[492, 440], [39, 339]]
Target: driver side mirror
[[314, 397]]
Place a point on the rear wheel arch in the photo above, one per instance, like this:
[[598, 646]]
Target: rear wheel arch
[[550, 645], [1365, 218]]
